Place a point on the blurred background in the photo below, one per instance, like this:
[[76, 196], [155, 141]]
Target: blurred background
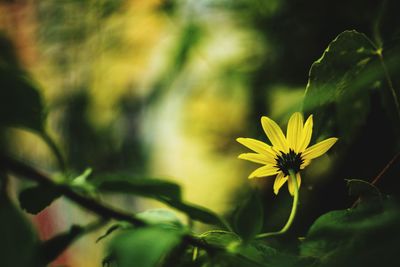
[[163, 88]]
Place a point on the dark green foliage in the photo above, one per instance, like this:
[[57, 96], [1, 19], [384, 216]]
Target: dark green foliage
[[339, 83], [365, 236], [20, 102], [164, 191], [34, 199], [220, 238], [349, 91], [196, 212], [143, 247], [249, 217], [129, 184], [19, 244]]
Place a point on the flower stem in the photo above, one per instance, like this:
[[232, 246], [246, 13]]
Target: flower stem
[[286, 227]]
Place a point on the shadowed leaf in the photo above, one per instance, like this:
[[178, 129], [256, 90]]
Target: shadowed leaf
[[35, 199]]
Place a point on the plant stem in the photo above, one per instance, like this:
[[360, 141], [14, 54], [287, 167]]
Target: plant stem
[[286, 227], [389, 81], [104, 211]]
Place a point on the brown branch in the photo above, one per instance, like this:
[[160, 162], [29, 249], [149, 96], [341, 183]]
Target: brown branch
[[106, 212], [386, 168], [381, 174]]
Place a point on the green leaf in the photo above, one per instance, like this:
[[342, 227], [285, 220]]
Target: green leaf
[[144, 247], [161, 217], [128, 184], [164, 191], [53, 247], [219, 238], [254, 253], [342, 238], [249, 217], [196, 212], [20, 102], [339, 84], [19, 244], [35, 199]]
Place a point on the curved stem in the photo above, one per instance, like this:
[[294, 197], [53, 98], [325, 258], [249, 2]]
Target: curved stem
[[286, 227], [389, 82]]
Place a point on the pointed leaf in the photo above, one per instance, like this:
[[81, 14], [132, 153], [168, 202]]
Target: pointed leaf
[[339, 85], [34, 199], [129, 184], [249, 217]]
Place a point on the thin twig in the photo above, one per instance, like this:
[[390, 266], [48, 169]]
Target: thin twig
[[389, 81], [381, 174], [100, 209], [386, 168], [106, 212]]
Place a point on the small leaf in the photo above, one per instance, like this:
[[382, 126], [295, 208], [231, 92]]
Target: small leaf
[[81, 185], [249, 217], [35, 199], [53, 247], [128, 184], [81, 179], [161, 217], [196, 212], [143, 247], [219, 238]]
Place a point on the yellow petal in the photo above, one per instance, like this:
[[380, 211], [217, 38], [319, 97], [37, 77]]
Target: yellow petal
[[257, 158], [305, 164], [294, 132], [275, 134], [257, 146], [291, 186], [318, 149], [279, 181], [306, 136], [267, 170]]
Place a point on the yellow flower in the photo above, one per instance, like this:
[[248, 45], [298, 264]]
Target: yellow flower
[[286, 153]]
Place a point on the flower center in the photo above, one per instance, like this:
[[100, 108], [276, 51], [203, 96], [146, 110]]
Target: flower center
[[289, 161]]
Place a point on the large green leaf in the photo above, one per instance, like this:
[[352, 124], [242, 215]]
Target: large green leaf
[[19, 244], [144, 247], [36, 198], [339, 85], [129, 184], [164, 191], [20, 102], [365, 236], [249, 217]]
